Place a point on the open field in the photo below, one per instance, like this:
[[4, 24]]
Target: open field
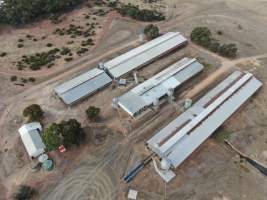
[[95, 171]]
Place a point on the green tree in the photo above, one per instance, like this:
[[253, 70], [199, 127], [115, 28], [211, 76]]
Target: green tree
[[51, 137], [201, 36], [72, 132], [24, 11], [228, 50], [93, 113], [24, 193], [34, 112], [151, 31]]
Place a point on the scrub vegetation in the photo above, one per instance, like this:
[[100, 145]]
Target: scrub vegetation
[[135, 12], [203, 37], [67, 133], [18, 12]]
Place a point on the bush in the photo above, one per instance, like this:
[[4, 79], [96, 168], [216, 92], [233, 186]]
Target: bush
[[219, 32], [151, 31], [35, 62], [142, 15], [65, 51], [31, 79], [20, 45], [24, 11], [13, 78], [71, 132], [68, 59], [228, 50], [92, 113], [66, 133], [203, 37], [24, 193], [51, 137], [49, 44], [24, 80], [82, 51], [3, 54], [33, 112]]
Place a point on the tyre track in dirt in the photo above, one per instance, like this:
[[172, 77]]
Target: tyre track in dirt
[[92, 180]]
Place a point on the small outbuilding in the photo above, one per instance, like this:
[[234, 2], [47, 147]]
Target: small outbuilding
[[30, 136], [132, 194]]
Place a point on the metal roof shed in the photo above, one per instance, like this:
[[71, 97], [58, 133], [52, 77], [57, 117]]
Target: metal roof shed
[[82, 86], [187, 132], [162, 84], [144, 54], [31, 139]]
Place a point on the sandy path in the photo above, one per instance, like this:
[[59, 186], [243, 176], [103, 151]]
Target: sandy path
[[90, 180]]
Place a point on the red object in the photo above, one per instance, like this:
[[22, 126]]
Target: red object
[[61, 149]]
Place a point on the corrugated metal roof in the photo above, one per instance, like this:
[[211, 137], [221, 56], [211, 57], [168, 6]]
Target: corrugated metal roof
[[143, 54], [31, 139], [68, 85], [82, 86], [201, 123], [145, 94]]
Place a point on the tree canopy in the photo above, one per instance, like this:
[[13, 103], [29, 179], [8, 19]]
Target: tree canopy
[[24, 11], [203, 37], [34, 112], [151, 31], [92, 113], [71, 132], [51, 137], [24, 193], [66, 132], [136, 13]]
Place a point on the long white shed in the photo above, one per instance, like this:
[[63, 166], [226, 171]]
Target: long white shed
[[180, 138], [144, 54], [161, 85], [30, 136], [82, 86]]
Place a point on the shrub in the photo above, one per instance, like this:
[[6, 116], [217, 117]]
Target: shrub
[[49, 44], [13, 78], [24, 11], [219, 32], [32, 79], [71, 132], [3, 54], [92, 113], [68, 59], [82, 51], [35, 62], [202, 36], [20, 40], [135, 13], [51, 137], [20, 45], [24, 193], [34, 113], [228, 50], [151, 31], [65, 51], [24, 80]]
